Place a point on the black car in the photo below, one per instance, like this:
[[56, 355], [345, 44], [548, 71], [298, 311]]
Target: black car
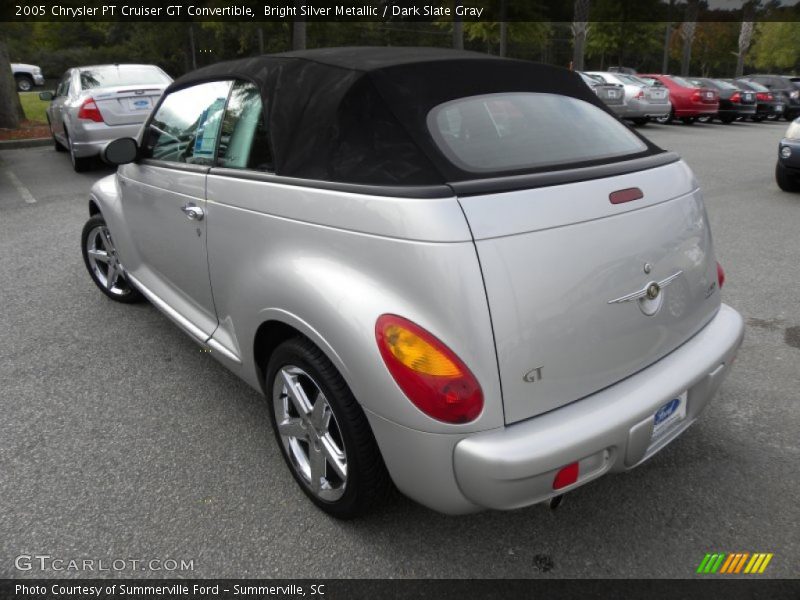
[[766, 104], [733, 102], [784, 89], [787, 171]]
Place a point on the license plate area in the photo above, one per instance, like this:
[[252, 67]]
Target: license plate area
[[140, 104], [667, 417]]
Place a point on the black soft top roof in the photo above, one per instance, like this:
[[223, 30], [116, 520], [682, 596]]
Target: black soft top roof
[[358, 115]]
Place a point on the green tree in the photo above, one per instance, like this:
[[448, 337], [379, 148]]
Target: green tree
[[777, 46]]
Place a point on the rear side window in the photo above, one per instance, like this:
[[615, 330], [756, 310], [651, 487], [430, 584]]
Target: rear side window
[[185, 128], [243, 140], [511, 131]]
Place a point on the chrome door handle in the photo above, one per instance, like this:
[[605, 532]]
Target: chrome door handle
[[193, 212]]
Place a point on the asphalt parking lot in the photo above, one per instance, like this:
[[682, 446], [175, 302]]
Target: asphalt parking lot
[[122, 440]]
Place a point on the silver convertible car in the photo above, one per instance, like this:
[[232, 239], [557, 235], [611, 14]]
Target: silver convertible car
[[459, 274]]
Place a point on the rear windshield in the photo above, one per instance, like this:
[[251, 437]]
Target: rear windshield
[[682, 82], [633, 79], [723, 85], [756, 87], [510, 131], [114, 75]]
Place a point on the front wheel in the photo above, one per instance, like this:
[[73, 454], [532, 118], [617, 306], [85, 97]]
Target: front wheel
[[102, 262], [24, 83], [324, 436], [786, 180]]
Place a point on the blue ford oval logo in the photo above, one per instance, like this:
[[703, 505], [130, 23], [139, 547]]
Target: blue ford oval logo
[[665, 411]]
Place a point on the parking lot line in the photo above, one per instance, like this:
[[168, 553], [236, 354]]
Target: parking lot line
[[24, 192]]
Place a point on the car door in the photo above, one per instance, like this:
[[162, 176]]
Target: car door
[[55, 112], [163, 202]]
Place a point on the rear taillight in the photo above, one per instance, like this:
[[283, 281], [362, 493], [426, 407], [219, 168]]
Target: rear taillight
[[770, 97], [762, 96], [696, 96], [736, 97], [428, 372], [720, 275], [640, 95], [89, 111]]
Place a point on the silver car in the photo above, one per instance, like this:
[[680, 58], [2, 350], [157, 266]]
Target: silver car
[[457, 273], [642, 100], [93, 105]]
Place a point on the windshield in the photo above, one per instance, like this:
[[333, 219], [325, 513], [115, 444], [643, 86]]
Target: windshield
[[510, 131], [115, 75]]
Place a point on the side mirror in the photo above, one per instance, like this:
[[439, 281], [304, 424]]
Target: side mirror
[[121, 151], [46, 96]]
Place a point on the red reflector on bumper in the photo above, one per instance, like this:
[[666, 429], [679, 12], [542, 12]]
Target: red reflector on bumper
[[566, 476], [626, 195]]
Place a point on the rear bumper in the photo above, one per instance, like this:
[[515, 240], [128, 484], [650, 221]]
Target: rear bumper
[[89, 139], [697, 110], [608, 431]]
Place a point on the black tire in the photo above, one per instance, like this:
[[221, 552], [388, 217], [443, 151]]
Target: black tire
[[123, 291], [787, 181], [757, 118], [791, 116], [641, 121], [705, 119], [79, 163], [367, 484], [688, 120], [24, 83], [727, 120], [667, 119]]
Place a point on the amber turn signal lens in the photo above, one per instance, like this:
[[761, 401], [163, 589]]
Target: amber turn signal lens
[[429, 373]]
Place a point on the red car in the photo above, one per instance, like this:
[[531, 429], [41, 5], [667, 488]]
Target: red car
[[688, 100]]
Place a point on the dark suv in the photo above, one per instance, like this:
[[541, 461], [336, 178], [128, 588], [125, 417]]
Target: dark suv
[[784, 89]]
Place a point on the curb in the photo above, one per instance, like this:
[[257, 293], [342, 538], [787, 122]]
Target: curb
[[32, 143]]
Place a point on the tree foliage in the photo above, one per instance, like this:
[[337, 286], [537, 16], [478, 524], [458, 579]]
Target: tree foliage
[[777, 46]]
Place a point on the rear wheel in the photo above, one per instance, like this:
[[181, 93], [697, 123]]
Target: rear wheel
[[641, 121], [787, 181], [665, 118], [688, 120], [705, 119], [79, 163], [757, 118], [323, 433], [727, 120], [102, 262]]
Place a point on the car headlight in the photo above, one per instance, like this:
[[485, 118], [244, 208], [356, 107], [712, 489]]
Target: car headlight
[[793, 133]]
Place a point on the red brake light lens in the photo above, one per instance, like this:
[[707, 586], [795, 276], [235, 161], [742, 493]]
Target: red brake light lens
[[720, 275], [736, 97], [696, 96], [566, 476], [429, 373], [89, 111]]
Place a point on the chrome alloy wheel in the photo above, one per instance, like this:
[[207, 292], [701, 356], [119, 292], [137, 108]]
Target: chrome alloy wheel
[[104, 263], [310, 434]]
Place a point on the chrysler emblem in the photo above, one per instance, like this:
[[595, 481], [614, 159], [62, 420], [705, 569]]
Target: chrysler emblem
[[650, 297]]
